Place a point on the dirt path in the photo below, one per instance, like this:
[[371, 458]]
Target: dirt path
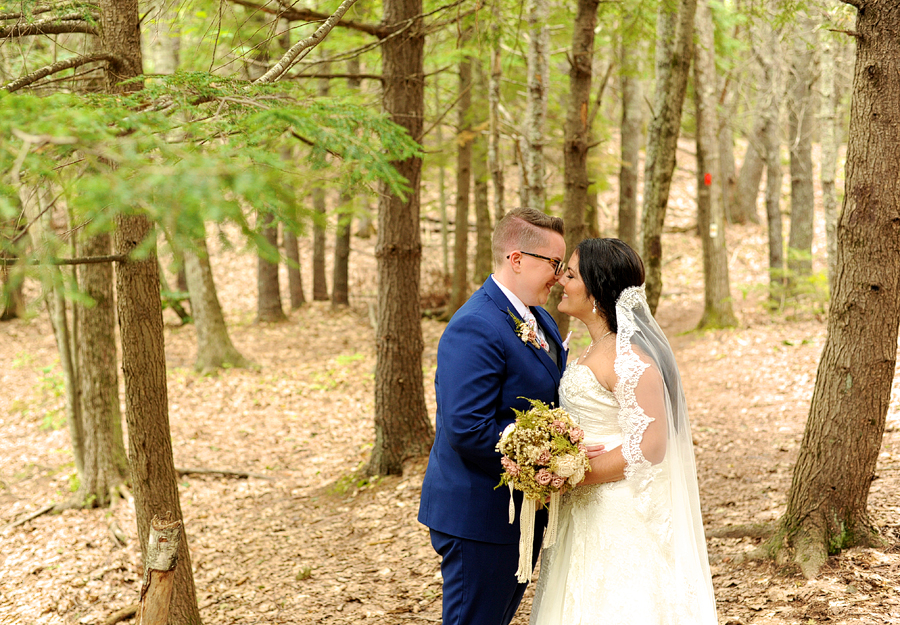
[[316, 543]]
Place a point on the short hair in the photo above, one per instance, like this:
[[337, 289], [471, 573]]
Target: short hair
[[608, 267], [522, 228]]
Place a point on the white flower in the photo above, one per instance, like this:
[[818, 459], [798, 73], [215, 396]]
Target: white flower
[[565, 466], [507, 432]]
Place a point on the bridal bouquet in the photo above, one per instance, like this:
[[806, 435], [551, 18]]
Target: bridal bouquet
[[542, 452]]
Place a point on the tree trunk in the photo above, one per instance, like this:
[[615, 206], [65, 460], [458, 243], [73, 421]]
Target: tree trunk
[[459, 286], [828, 127], [12, 295], [725, 136], [826, 508], [750, 176], [320, 219], [214, 347], [153, 475], [772, 94], [717, 308], [32, 199], [442, 192], [105, 465], [268, 302], [631, 132], [340, 278], [674, 43], [575, 142], [481, 179], [295, 276], [164, 45], [801, 113], [495, 163], [402, 427], [340, 281], [538, 58]]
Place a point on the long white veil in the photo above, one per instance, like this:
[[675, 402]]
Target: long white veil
[[638, 341]]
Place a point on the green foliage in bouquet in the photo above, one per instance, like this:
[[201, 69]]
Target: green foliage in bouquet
[[542, 451]]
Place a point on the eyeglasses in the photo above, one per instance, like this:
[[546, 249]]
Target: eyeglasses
[[557, 264]]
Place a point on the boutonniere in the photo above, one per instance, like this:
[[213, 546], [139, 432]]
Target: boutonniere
[[566, 342], [527, 333]]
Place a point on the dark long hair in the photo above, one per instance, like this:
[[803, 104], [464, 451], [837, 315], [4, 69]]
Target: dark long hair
[[608, 267]]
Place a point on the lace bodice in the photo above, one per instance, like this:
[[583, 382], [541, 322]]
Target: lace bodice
[[593, 407]]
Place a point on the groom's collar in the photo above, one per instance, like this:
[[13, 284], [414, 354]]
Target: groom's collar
[[521, 308]]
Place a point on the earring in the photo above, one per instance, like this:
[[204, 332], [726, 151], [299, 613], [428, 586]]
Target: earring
[[594, 309]]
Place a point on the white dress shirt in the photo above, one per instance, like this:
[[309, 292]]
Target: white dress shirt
[[524, 312]]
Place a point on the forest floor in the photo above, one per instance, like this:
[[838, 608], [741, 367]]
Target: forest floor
[[316, 542]]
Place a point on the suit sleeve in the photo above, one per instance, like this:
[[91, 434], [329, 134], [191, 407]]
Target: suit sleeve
[[472, 367]]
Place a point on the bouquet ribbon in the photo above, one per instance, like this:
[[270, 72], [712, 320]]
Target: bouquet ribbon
[[526, 531]]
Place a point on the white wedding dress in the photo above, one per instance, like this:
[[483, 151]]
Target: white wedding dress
[[619, 557]]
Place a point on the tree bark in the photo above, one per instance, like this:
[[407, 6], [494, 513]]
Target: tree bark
[[268, 302], [631, 134], [481, 178], [442, 193], [801, 113], [575, 142], [717, 308], [826, 508], [340, 281], [214, 347], [538, 59], [320, 284], [459, 285], [674, 43], [772, 94], [340, 277], [153, 475], [295, 276], [402, 427], [828, 127], [750, 176], [495, 162], [105, 465]]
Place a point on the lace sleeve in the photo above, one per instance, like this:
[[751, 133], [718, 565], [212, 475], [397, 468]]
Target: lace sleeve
[[632, 418], [629, 368]]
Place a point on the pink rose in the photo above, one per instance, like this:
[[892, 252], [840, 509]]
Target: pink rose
[[544, 458], [543, 477], [511, 467], [582, 448], [557, 481], [558, 426], [576, 435]]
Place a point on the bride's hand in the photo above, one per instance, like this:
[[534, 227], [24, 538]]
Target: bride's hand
[[595, 450]]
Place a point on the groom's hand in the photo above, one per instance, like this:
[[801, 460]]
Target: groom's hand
[[594, 450]]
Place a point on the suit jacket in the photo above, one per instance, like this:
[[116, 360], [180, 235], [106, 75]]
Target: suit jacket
[[484, 370]]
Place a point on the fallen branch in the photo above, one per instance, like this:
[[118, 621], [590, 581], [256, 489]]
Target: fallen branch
[[28, 517], [749, 530], [121, 615], [225, 472]]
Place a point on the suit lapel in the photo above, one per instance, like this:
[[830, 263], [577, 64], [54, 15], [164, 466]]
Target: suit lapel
[[499, 298]]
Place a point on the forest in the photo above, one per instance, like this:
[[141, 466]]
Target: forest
[[232, 233]]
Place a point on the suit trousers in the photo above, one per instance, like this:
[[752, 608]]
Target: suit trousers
[[480, 586]]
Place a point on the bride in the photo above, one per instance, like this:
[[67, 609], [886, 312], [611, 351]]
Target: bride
[[630, 547]]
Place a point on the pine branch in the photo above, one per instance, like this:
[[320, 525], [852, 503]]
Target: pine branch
[[60, 66], [292, 55], [333, 76], [49, 27]]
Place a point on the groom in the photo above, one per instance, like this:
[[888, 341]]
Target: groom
[[485, 370]]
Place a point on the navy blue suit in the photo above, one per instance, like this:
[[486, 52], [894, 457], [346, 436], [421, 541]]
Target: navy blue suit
[[484, 370]]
